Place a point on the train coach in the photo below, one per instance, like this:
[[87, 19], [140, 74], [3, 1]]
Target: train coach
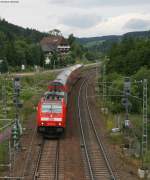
[[52, 108]]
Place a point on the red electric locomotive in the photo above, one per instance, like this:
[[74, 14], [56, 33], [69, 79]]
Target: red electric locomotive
[[52, 108]]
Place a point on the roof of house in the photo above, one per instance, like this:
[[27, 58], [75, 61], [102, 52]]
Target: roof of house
[[50, 43]]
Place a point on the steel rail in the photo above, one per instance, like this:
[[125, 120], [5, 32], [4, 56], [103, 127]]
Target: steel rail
[[56, 170], [83, 136], [38, 161], [57, 163], [29, 153], [98, 138]]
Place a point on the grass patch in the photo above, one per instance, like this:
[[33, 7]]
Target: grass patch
[[116, 138], [3, 154], [110, 122]]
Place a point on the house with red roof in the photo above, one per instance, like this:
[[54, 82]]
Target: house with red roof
[[53, 43]]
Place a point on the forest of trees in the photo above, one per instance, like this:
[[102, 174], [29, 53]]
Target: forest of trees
[[13, 31], [129, 58], [80, 53], [19, 46]]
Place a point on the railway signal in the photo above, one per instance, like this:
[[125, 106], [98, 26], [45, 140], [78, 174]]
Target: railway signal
[[104, 83], [17, 86], [125, 101], [15, 133], [127, 86]]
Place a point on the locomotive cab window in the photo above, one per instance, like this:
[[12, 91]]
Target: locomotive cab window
[[56, 108], [46, 108], [51, 108], [55, 95]]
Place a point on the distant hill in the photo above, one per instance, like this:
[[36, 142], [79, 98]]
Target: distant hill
[[104, 43], [13, 31], [85, 41], [139, 34]]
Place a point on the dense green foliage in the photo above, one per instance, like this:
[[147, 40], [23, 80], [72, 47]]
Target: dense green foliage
[[128, 58], [80, 52], [19, 46], [16, 32]]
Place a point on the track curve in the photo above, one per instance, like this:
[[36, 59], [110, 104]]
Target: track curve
[[98, 163]]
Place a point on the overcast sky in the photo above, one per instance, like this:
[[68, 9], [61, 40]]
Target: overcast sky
[[83, 18]]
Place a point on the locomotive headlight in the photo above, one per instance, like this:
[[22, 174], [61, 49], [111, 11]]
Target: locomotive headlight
[[42, 123], [57, 119], [59, 124], [44, 119]]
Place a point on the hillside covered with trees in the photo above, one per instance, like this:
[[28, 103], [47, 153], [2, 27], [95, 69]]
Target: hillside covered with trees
[[81, 53], [104, 43], [19, 46], [14, 32], [128, 58]]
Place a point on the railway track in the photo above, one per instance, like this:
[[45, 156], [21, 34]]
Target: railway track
[[47, 166], [97, 162]]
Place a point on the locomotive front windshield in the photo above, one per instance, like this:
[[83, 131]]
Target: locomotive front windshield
[[51, 108], [54, 95]]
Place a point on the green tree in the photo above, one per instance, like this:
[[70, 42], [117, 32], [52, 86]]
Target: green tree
[[11, 54], [71, 39], [20, 48], [3, 42], [4, 66]]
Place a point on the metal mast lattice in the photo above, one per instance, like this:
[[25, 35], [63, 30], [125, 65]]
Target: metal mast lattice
[[144, 133]]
